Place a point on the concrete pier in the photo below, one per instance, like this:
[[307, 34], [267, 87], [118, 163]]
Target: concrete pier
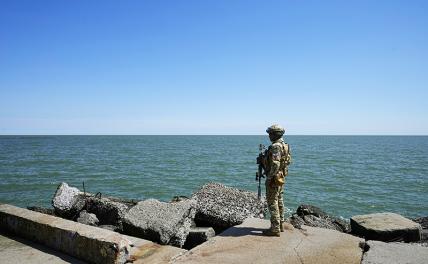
[[31, 237], [245, 244]]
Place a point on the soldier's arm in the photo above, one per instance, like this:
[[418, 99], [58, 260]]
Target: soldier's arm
[[276, 157], [289, 155]]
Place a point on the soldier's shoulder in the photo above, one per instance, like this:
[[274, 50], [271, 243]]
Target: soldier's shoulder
[[276, 146]]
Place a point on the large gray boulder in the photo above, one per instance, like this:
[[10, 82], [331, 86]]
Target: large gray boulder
[[310, 215], [394, 253], [385, 227], [165, 223], [68, 201], [221, 207]]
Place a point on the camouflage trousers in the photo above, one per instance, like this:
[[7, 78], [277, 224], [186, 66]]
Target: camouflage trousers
[[275, 201]]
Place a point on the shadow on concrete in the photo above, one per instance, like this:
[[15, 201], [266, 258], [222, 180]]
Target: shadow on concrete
[[237, 231], [20, 245]]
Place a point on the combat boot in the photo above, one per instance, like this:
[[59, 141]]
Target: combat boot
[[281, 226], [269, 232]]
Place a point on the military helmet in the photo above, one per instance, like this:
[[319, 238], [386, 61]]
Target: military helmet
[[275, 129]]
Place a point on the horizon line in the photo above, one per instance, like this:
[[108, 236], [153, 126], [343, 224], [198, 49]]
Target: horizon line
[[211, 135]]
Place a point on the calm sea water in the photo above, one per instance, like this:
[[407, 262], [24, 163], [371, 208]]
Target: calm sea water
[[344, 175]]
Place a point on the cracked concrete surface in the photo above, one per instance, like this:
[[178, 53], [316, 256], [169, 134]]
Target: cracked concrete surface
[[245, 244]]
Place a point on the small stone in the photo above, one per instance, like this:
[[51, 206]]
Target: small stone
[[87, 218]]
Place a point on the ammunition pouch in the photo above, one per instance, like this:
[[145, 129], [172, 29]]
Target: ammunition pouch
[[279, 179]]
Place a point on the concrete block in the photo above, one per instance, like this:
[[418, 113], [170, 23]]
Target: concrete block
[[68, 201], [91, 244], [164, 223], [221, 207], [385, 227], [198, 235]]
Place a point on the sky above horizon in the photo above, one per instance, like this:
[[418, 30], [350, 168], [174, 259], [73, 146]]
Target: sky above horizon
[[213, 67]]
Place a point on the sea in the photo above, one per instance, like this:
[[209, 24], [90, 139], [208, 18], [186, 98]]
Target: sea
[[343, 175]]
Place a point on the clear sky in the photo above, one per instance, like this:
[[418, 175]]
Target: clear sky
[[213, 67]]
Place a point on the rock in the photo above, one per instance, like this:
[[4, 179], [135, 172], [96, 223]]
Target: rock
[[87, 218], [221, 207], [423, 221], [42, 210], [107, 211], [165, 223], [310, 215], [68, 201], [385, 227], [394, 253], [198, 235]]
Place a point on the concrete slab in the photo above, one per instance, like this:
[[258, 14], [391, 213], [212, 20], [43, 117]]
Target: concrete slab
[[394, 253], [246, 244], [386, 227], [17, 250], [84, 242]]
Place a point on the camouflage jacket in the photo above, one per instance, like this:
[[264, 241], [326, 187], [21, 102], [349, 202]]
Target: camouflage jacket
[[278, 158]]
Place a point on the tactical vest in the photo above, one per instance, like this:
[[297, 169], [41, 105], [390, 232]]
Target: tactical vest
[[285, 160]]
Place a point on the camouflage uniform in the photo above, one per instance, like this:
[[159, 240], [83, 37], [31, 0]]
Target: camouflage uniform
[[278, 159]]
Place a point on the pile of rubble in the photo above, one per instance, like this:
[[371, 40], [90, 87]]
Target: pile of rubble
[[183, 222]]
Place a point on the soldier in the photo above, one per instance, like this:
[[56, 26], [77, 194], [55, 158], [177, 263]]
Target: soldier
[[276, 163]]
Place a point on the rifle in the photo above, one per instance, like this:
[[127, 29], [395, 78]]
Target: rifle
[[261, 170]]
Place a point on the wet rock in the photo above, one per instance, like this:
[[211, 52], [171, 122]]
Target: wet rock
[[385, 227], [87, 218], [423, 221], [48, 211], [68, 201], [393, 253], [310, 215], [221, 207], [165, 223], [107, 211], [198, 235]]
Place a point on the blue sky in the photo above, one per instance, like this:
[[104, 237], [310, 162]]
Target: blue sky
[[213, 67]]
